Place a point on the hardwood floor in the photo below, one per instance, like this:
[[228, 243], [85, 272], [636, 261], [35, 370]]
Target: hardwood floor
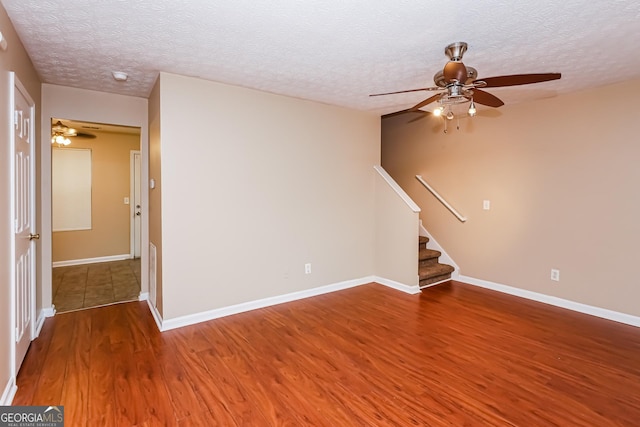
[[454, 355]]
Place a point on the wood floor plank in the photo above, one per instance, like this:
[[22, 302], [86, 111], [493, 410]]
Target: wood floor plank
[[153, 388], [32, 366], [102, 405], [129, 404], [51, 379], [367, 356], [75, 388], [275, 389]]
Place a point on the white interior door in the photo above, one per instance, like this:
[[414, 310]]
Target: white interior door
[[136, 210], [23, 203]]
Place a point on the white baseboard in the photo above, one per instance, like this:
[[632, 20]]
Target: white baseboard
[[558, 302], [9, 392], [437, 283], [396, 285], [91, 260], [155, 314], [191, 319], [44, 313]]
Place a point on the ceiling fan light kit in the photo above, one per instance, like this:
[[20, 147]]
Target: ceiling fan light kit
[[60, 134], [458, 84]]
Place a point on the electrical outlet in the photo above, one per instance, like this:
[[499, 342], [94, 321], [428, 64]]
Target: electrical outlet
[[307, 268], [486, 205], [555, 275]]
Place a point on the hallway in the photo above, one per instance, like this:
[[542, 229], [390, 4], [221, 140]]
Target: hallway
[[92, 285]]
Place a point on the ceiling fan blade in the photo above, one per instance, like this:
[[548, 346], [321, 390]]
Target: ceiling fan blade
[[485, 98], [406, 91], [84, 135], [519, 79], [425, 102], [408, 110]]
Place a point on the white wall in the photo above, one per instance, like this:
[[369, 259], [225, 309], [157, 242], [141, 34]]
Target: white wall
[[255, 185], [88, 106]]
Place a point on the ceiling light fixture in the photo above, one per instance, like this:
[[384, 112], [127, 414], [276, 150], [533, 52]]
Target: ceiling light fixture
[[3, 42], [60, 139], [449, 102], [60, 134], [472, 108], [120, 76]]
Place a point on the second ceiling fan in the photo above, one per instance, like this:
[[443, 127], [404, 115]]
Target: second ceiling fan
[[457, 84]]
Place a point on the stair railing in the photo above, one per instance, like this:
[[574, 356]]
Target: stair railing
[[441, 199]]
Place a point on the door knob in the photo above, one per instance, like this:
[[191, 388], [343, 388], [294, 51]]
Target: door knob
[[138, 214], [35, 236]]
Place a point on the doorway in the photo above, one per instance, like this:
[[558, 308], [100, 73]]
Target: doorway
[[93, 258]]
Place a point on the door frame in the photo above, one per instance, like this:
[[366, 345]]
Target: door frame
[[16, 85], [133, 182], [86, 106]]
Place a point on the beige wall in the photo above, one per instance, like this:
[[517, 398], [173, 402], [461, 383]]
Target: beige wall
[[13, 59], [396, 236], [562, 176], [110, 217], [88, 106], [255, 185], [155, 194]]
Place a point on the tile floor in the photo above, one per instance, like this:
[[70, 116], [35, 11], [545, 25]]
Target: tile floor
[[91, 285]]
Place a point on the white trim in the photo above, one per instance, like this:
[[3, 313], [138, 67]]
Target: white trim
[[9, 392], [395, 187], [444, 256], [156, 315], [132, 207], [91, 260], [5, 400], [144, 296], [412, 290], [436, 283], [192, 319], [44, 313], [555, 301]]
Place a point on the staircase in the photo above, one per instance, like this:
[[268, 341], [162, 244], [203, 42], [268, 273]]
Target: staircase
[[429, 269]]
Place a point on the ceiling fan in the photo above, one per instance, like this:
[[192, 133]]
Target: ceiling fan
[[457, 84], [60, 134]]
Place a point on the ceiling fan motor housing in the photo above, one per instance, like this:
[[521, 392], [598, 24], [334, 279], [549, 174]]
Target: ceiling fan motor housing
[[455, 72], [455, 51]]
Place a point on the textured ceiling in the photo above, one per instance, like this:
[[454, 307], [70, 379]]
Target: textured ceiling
[[331, 51]]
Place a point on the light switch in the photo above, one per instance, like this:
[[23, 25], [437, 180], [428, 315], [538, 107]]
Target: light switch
[[126, 200], [486, 205]]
